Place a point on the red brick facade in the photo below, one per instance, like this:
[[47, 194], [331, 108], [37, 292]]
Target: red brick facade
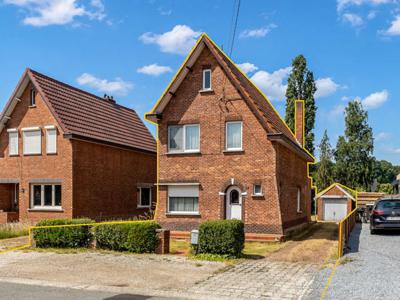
[[96, 180], [278, 170], [336, 192]]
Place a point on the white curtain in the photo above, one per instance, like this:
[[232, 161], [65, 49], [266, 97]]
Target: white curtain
[[234, 135], [175, 138], [192, 138]]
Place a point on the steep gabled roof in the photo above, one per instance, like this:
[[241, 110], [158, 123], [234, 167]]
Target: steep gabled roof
[[82, 115], [344, 189], [268, 117]]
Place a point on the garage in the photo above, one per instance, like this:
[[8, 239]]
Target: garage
[[334, 203]]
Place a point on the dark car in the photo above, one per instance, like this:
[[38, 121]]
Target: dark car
[[385, 214]]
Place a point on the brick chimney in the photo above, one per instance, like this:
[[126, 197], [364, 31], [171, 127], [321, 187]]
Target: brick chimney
[[299, 121]]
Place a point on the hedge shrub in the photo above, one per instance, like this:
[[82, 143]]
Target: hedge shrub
[[137, 237], [223, 237], [63, 237]]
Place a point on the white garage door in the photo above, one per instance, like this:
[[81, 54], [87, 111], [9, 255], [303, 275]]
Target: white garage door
[[335, 209]]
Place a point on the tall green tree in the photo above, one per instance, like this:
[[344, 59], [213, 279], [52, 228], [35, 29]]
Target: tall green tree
[[353, 155], [301, 86], [325, 172]]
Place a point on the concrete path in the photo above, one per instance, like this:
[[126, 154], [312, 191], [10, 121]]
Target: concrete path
[[369, 270]]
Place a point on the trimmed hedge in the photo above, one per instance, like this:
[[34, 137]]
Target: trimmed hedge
[[223, 237], [63, 237], [137, 237]]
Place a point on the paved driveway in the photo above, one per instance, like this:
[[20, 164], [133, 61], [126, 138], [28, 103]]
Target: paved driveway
[[371, 268]]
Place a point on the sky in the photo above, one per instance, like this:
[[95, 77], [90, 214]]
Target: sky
[[131, 50]]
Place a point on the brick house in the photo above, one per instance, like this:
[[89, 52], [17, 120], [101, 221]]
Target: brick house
[[224, 152], [66, 153], [334, 203]]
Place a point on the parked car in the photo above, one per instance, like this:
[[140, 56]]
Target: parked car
[[385, 214]]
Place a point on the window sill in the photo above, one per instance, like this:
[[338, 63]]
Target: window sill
[[299, 212], [239, 151], [13, 155], [183, 214], [45, 209], [141, 206], [33, 154], [206, 91], [51, 154], [32, 106], [184, 153], [257, 195]]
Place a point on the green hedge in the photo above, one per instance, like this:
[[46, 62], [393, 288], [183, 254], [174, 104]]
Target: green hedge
[[223, 237], [137, 237], [63, 237]]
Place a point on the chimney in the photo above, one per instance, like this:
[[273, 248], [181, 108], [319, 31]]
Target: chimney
[[299, 121], [109, 98]]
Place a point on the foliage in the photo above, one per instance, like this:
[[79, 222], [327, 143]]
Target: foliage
[[354, 150], [325, 172], [136, 237], [386, 188], [63, 237], [384, 171], [223, 237], [301, 86], [11, 230]]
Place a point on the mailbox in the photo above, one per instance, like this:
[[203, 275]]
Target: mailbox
[[194, 237]]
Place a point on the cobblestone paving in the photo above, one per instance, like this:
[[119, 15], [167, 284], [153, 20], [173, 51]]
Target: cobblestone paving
[[260, 279]]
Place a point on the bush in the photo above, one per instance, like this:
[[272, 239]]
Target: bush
[[223, 237], [136, 237], [63, 237]]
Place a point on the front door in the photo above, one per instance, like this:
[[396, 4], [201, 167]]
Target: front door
[[233, 203]]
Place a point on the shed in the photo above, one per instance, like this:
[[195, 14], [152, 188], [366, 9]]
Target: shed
[[335, 203]]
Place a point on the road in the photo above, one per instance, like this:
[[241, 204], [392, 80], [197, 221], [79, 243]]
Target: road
[[13, 291], [369, 270]]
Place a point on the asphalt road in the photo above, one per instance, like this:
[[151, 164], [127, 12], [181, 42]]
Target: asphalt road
[[15, 291], [371, 268]]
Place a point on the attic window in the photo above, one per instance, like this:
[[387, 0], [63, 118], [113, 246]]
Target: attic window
[[207, 80], [32, 100]]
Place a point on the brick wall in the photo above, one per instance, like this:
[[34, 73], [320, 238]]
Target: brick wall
[[106, 180], [26, 168], [213, 168]]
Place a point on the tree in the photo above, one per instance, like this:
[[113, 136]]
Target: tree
[[384, 171], [301, 86], [324, 174], [386, 188], [353, 155]]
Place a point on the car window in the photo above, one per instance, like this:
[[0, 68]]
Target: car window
[[388, 204]]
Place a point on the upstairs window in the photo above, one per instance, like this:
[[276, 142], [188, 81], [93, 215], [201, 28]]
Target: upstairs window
[[184, 138], [51, 140], [207, 80], [13, 142], [233, 136], [32, 100], [144, 196], [32, 140]]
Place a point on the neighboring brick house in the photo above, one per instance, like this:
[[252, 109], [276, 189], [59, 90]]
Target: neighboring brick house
[[335, 203], [66, 153], [224, 152]]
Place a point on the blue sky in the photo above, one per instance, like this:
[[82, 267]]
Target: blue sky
[[131, 49]]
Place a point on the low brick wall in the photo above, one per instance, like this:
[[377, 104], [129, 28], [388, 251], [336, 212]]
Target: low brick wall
[[163, 246], [8, 217]]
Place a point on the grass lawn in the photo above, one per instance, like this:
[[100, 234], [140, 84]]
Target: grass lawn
[[12, 230]]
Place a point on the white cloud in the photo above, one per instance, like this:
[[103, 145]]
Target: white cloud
[[392, 150], [342, 4], [179, 40], [247, 67], [258, 32], [118, 86], [375, 100], [57, 12], [382, 136], [337, 111], [394, 28], [354, 19], [371, 15], [325, 87], [272, 84], [154, 70]]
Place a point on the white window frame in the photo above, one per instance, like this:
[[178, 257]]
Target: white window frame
[[299, 200], [254, 190], [51, 128], [53, 197], [183, 212], [241, 136], [204, 80], [139, 197], [24, 142], [184, 150], [13, 132], [32, 99]]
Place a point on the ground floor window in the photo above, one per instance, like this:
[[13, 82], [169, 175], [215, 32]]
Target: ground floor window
[[45, 195], [183, 199], [144, 196]]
